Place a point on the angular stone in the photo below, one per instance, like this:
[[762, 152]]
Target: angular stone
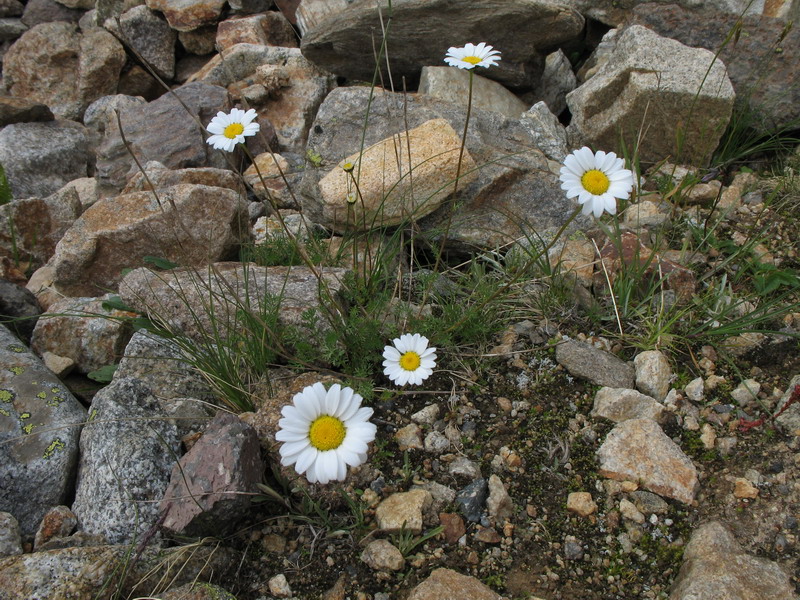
[[621, 404], [186, 15], [472, 500], [162, 130], [39, 158], [11, 8], [787, 413], [99, 112], [195, 591], [59, 522], [174, 296], [381, 555], [499, 503], [409, 437], [453, 527], [557, 81], [717, 567], [661, 82], [343, 41], [20, 305], [452, 85], [159, 177], [487, 212], [757, 63], [445, 584], [293, 87], [403, 511], [189, 224], [653, 374], [82, 330], [151, 37], [267, 29], [210, 488], [638, 450], [48, 11], [127, 452], [416, 188], [201, 42], [54, 64], [598, 366], [547, 132], [581, 503], [40, 424]]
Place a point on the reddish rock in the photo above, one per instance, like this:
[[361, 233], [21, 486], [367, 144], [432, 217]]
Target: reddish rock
[[208, 493], [453, 527], [444, 584], [186, 15], [59, 522]]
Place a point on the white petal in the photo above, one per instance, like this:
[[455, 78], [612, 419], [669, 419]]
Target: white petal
[[306, 459]]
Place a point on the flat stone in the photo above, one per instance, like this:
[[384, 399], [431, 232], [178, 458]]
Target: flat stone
[[409, 437], [381, 555], [638, 450], [620, 404], [643, 66], [127, 452], [210, 488], [403, 511], [598, 366], [453, 527], [40, 425], [716, 566], [653, 374], [187, 15], [193, 225], [445, 584]]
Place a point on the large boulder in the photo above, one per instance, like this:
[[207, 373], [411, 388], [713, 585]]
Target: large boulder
[[170, 129], [663, 99], [55, 64], [40, 158], [760, 62], [127, 452], [515, 194], [344, 41], [40, 424], [188, 224]]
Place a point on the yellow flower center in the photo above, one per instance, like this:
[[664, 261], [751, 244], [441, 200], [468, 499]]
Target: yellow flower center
[[232, 130], [473, 60], [326, 433], [410, 361], [595, 182]]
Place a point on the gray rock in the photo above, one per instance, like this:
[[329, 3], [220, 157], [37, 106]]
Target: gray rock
[[691, 87], [598, 366], [11, 8], [464, 467], [653, 374], [188, 224], [499, 504], [557, 81], [127, 453], [509, 182], [649, 503], [10, 538], [548, 134], [163, 130], [292, 88], [343, 43], [151, 37], [46, 11], [757, 70], [200, 503], [19, 309], [99, 112], [638, 450], [716, 567], [381, 555], [621, 404], [11, 29], [789, 419], [452, 85], [81, 572], [436, 442], [175, 296], [40, 423], [39, 158], [205, 591], [472, 500], [82, 330], [55, 64]]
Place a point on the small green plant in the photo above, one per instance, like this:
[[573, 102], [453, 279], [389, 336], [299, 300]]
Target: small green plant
[[406, 541], [5, 189]]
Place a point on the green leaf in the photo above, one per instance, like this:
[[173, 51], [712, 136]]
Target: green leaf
[[161, 263], [115, 303], [5, 190], [103, 374]]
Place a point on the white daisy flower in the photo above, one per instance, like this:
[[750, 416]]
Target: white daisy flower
[[596, 179], [231, 129], [409, 360], [324, 431], [471, 56]]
